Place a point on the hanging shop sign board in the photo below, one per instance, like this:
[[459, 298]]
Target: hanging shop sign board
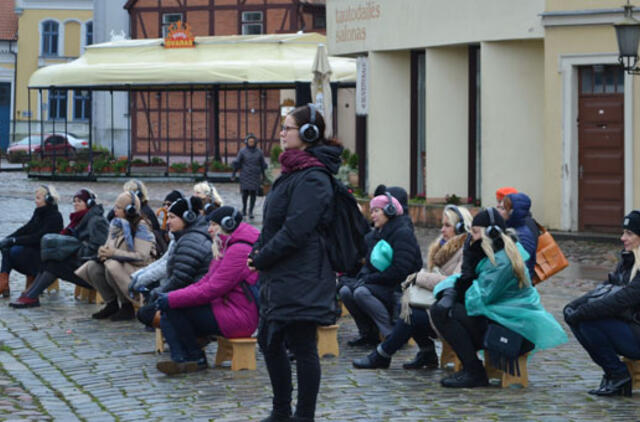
[[179, 36], [362, 86]]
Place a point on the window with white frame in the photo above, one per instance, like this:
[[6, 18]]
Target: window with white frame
[[50, 34], [252, 23], [167, 20], [81, 104], [57, 104], [88, 33]]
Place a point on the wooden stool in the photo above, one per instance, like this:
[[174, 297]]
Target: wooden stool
[[634, 370], [241, 352], [505, 378], [344, 312], [328, 340], [82, 293], [54, 286], [159, 341], [448, 356]]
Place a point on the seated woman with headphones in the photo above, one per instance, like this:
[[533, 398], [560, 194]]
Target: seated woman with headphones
[[492, 294], [88, 225], [21, 249], [209, 195], [221, 303], [443, 259], [129, 246], [393, 254]]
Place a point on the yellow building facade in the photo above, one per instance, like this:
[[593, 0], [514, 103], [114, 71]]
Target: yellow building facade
[[463, 97], [51, 32]]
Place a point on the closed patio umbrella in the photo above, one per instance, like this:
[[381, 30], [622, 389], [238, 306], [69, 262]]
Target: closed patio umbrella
[[320, 84]]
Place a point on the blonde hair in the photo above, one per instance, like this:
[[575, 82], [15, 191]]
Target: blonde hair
[[52, 191], [510, 248], [636, 263], [454, 218], [216, 245], [210, 192], [135, 185]]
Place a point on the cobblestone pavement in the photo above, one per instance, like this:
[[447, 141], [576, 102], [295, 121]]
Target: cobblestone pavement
[[58, 363]]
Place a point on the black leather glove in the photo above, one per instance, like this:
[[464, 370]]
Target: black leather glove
[[7, 242], [571, 315], [448, 298], [155, 293]]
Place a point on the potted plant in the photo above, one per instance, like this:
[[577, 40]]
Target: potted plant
[[178, 168], [62, 166], [34, 165], [352, 164], [120, 166], [157, 161], [220, 167], [138, 162], [100, 165], [196, 167], [80, 167]]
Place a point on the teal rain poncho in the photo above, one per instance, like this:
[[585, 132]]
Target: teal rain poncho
[[495, 294]]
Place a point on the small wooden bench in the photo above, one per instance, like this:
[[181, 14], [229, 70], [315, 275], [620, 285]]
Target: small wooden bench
[[159, 341], [505, 378], [240, 351], [634, 370], [82, 293], [449, 357], [328, 340], [54, 286]]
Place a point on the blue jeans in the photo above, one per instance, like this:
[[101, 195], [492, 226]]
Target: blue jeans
[[605, 339], [181, 328], [420, 329], [23, 259]]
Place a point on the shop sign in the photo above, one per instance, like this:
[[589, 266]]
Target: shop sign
[[179, 36], [362, 86]]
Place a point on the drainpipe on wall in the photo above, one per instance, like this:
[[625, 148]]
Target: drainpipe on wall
[[15, 84]]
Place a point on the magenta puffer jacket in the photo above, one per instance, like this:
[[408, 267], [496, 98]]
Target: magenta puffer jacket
[[221, 286]]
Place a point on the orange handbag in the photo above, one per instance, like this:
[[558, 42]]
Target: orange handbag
[[549, 257]]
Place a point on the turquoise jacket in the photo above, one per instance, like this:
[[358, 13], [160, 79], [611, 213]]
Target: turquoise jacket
[[495, 294]]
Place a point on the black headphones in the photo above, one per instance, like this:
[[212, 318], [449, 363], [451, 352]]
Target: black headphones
[[209, 206], [130, 210], [48, 198], [309, 132], [92, 198], [189, 216], [493, 231], [389, 210], [229, 223], [249, 136], [139, 191], [459, 227]]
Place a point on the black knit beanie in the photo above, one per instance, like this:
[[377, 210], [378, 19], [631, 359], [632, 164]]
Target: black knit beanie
[[632, 222], [180, 206], [482, 219], [173, 196], [226, 211]]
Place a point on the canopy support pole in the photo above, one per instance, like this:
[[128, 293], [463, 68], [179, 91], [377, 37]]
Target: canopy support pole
[[216, 123], [166, 98], [29, 121], [112, 128], [91, 133], [191, 121], [129, 147], [41, 125], [207, 98], [148, 113]]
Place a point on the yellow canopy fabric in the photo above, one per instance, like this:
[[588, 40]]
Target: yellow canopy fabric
[[237, 59]]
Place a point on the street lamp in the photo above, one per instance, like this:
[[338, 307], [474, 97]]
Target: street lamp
[[628, 35]]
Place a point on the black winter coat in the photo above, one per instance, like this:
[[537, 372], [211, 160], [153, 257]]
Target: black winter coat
[[625, 301], [407, 259], [44, 220], [251, 163], [190, 257], [92, 231], [297, 281]]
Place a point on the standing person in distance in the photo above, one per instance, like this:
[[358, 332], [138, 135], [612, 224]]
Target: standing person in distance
[[298, 284], [251, 163]]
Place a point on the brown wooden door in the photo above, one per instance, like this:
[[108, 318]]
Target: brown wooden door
[[601, 148]]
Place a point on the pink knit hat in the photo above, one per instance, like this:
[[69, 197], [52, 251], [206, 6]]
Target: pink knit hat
[[381, 200]]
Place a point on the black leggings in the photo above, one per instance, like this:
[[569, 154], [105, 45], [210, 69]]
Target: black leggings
[[300, 337], [251, 194], [464, 333]]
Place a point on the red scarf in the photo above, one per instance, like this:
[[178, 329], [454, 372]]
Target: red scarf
[[75, 218], [297, 159]]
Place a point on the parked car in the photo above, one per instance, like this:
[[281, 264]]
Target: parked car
[[57, 144]]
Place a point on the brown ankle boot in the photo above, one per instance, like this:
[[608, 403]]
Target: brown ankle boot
[[30, 279], [4, 284]]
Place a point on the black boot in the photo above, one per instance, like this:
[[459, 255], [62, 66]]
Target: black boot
[[424, 358], [373, 360], [603, 384], [125, 313], [363, 341], [108, 310], [474, 376], [277, 417], [616, 385]]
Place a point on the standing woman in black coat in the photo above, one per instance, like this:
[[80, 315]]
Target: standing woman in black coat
[[608, 325], [250, 162], [21, 249], [298, 285]]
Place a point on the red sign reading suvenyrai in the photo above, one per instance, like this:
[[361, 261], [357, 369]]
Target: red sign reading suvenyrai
[[179, 36]]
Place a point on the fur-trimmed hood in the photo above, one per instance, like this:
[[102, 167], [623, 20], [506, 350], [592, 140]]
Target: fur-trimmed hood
[[439, 255]]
